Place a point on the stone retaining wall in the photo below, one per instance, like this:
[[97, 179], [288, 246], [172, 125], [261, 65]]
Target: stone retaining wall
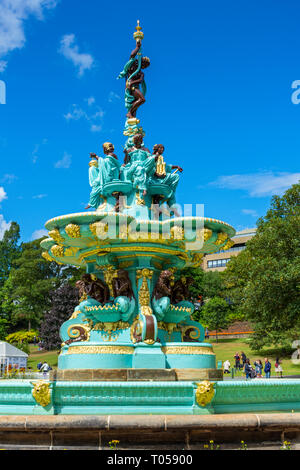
[[163, 432]]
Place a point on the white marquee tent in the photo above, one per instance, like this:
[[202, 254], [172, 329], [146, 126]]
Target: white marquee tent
[[10, 355]]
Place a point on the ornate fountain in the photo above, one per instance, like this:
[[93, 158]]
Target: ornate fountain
[[131, 345], [135, 310]]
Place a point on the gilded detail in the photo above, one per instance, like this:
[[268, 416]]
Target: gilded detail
[[46, 256], [41, 393], [204, 393], [144, 294], [57, 250], [101, 350], [56, 236], [186, 350], [73, 230], [222, 237]]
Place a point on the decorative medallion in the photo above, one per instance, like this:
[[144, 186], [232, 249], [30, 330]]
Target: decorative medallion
[[41, 392], [204, 393]]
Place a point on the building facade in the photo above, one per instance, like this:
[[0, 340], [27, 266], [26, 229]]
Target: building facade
[[218, 261]]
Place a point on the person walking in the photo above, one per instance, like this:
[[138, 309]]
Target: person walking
[[258, 368], [267, 368], [243, 357], [45, 368], [278, 368], [226, 367], [206, 333]]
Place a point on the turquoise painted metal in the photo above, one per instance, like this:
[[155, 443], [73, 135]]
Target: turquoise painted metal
[[90, 398]]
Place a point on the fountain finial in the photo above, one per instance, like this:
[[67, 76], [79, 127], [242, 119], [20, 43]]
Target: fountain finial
[[138, 34]]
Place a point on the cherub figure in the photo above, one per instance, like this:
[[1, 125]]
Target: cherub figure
[[122, 284]]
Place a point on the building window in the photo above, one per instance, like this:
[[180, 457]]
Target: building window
[[217, 263]]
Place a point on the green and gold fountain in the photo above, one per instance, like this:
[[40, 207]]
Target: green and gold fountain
[[131, 345], [135, 310]]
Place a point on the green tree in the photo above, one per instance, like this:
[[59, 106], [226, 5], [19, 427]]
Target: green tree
[[9, 251], [265, 278], [214, 314]]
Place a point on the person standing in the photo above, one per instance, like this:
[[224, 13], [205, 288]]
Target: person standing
[[247, 369], [243, 357], [237, 361], [258, 368], [278, 368], [267, 368]]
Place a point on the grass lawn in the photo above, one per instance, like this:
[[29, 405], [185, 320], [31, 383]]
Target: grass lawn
[[226, 349], [36, 356]]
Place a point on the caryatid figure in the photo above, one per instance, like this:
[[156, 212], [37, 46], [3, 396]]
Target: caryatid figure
[[102, 170], [165, 176]]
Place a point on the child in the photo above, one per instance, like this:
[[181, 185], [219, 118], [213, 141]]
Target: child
[[278, 368]]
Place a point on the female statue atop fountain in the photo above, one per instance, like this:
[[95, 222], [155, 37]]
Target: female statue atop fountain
[[135, 84], [138, 164], [102, 170]]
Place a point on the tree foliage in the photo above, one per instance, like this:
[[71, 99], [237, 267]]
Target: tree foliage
[[265, 278], [63, 302], [214, 314]]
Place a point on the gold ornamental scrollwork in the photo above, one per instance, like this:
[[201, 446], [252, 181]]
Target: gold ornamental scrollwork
[[41, 392], [144, 294], [204, 393]]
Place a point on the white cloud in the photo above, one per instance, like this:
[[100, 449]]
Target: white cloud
[[95, 128], [13, 14], [36, 151], [69, 49], [39, 234], [39, 196], [3, 226], [91, 100], [3, 194], [9, 178], [259, 184], [113, 97], [65, 162], [93, 116], [3, 64], [250, 212]]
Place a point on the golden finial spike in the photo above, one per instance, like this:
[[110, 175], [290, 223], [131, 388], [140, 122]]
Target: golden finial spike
[[138, 34]]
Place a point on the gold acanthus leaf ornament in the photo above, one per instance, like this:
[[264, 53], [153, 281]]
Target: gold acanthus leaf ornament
[[228, 245], [99, 229], [203, 234], [46, 256], [222, 237], [204, 393], [177, 233], [57, 250], [41, 392], [56, 236], [73, 230]]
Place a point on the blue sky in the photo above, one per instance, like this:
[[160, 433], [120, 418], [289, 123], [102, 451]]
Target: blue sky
[[219, 99]]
